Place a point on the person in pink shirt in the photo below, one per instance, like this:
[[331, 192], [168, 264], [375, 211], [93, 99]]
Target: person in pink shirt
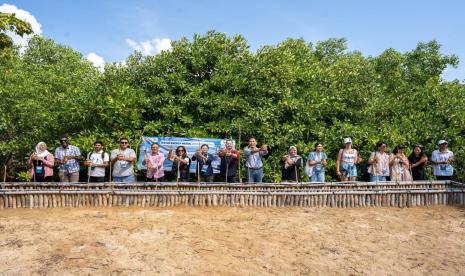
[[154, 162], [41, 164]]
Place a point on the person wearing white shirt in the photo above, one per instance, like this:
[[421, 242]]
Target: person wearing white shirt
[[443, 159]]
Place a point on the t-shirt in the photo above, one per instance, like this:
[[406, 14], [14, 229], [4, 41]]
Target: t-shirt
[[123, 168], [442, 169], [96, 158]]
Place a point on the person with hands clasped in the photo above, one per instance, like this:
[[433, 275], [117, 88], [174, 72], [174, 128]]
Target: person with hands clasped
[[399, 164], [229, 162], [291, 164], [68, 157], [443, 159], [154, 162], [418, 161], [122, 159], [316, 162], [41, 164], [379, 163], [204, 164]]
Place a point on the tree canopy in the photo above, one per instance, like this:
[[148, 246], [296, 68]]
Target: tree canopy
[[9, 22], [292, 93]]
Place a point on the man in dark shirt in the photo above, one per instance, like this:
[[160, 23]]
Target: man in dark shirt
[[229, 162]]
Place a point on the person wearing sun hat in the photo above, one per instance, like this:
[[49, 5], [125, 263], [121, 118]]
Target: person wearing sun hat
[[443, 159]]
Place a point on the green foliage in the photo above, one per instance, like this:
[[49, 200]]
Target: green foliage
[[287, 94], [9, 22]]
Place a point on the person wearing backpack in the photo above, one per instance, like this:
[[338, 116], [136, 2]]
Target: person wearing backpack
[[316, 162], [41, 164], [97, 162]]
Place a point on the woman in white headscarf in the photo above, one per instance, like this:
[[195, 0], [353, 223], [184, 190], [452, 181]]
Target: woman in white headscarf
[[291, 164], [41, 164]]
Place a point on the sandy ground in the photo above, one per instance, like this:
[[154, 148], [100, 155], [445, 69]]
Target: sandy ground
[[233, 241]]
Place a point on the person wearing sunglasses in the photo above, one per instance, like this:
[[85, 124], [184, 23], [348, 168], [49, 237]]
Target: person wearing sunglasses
[[122, 159], [67, 156], [181, 164]]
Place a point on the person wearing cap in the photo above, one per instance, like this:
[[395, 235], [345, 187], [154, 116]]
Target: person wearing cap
[[399, 164], [443, 159], [291, 164], [347, 160], [379, 163], [418, 161], [68, 157]]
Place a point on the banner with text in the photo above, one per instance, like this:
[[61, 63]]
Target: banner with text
[[191, 145]]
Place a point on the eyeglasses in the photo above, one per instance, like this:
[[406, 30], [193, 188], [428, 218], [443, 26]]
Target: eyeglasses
[[123, 142], [64, 140]]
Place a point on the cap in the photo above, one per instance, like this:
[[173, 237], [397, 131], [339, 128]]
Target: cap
[[347, 141], [442, 142]]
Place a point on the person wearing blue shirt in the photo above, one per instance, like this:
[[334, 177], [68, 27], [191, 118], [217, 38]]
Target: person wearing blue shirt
[[254, 163], [204, 163], [316, 163]]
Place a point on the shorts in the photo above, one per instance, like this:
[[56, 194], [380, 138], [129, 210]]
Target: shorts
[[349, 170]]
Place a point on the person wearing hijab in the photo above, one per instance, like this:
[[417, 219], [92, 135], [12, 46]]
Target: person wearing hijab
[[41, 164], [291, 164]]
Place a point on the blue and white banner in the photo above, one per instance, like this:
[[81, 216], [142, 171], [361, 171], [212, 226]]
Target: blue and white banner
[[191, 145]]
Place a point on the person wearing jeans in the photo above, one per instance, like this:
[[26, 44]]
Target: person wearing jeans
[[317, 162], [254, 163]]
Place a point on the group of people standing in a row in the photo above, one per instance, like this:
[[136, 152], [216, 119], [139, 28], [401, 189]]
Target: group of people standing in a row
[[381, 166]]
